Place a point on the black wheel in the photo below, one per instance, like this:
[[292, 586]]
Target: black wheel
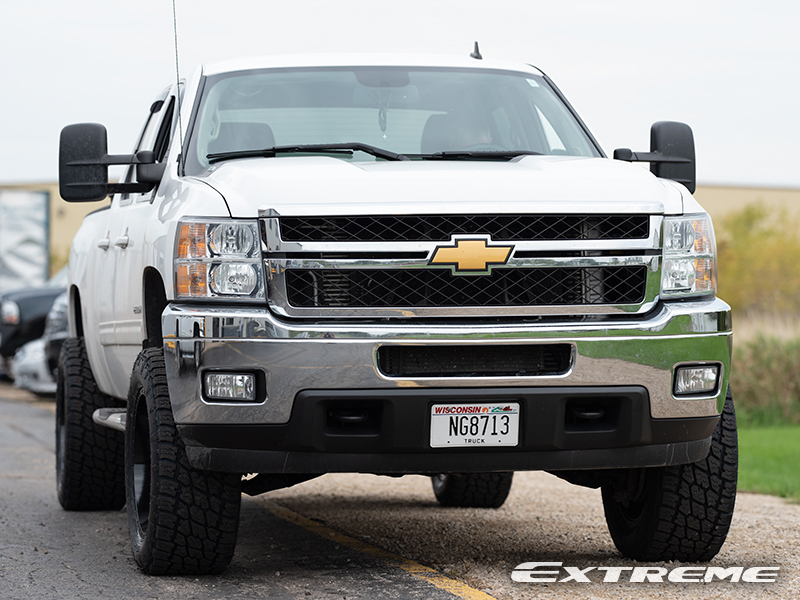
[[682, 512], [183, 521], [90, 459], [472, 490]]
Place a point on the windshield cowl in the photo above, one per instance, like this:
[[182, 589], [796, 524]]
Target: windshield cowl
[[346, 149]]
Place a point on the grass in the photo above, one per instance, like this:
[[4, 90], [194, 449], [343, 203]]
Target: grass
[[768, 461], [758, 267], [765, 379], [759, 276], [748, 326]]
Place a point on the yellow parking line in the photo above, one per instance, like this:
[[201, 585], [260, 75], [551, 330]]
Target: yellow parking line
[[415, 569]]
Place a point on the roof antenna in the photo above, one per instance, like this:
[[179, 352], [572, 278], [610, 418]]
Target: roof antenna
[[476, 54], [177, 72]]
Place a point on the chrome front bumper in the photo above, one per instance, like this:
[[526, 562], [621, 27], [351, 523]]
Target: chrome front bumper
[[296, 356]]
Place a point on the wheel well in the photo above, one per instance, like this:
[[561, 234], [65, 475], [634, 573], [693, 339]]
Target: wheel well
[[154, 302], [75, 314]]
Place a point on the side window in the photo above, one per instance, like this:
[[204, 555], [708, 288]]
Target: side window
[[161, 144], [157, 139], [155, 136]]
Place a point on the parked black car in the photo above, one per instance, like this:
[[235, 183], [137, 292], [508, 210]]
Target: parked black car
[[23, 313], [56, 330]]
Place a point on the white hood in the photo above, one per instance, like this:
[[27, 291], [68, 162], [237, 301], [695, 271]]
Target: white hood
[[307, 186]]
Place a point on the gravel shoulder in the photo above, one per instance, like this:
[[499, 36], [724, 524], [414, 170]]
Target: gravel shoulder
[[544, 519]]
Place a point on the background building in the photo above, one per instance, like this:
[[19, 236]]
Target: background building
[[64, 219]]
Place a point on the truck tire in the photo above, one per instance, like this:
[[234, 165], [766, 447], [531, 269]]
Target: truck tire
[[472, 490], [90, 459], [183, 521], [682, 512]]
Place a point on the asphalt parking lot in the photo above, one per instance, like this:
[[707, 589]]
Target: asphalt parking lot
[[46, 552], [355, 536]]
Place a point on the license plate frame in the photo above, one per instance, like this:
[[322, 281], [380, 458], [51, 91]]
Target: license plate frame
[[474, 425]]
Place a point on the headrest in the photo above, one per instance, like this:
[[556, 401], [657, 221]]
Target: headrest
[[242, 136]]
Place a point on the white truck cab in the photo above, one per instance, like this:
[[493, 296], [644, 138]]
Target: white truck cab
[[390, 264]]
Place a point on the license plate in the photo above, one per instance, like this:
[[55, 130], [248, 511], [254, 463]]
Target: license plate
[[479, 425]]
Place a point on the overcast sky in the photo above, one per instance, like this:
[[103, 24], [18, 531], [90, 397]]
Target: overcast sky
[[729, 69]]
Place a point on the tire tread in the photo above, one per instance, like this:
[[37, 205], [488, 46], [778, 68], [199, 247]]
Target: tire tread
[[194, 514], [91, 472], [693, 504]]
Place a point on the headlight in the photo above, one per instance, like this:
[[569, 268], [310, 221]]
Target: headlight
[[232, 239], [9, 312], [236, 279], [689, 267], [220, 259]]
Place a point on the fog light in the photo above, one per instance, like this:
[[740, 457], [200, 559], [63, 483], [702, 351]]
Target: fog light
[[230, 386], [696, 380]]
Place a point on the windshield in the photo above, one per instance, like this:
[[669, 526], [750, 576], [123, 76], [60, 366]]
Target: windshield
[[414, 112]]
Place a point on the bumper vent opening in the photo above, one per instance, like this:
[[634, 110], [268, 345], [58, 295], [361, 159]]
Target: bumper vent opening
[[475, 361], [595, 415], [353, 417]]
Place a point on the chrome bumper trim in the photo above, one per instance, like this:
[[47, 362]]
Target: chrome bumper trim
[[296, 356]]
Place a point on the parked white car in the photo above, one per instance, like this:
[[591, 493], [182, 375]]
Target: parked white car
[[29, 369]]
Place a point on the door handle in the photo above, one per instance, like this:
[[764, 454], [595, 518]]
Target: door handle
[[122, 242], [104, 243]]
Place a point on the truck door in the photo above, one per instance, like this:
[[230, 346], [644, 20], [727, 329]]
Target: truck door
[[120, 283]]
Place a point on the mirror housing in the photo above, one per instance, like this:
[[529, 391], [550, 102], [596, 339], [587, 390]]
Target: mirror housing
[[83, 162], [671, 153], [670, 138], [82, 177], [149, 172]]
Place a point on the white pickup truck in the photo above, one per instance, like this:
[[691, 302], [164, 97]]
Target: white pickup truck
[[391, 265]]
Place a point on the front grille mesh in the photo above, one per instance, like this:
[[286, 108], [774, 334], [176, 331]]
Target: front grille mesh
[[438, 228], [389, 288]]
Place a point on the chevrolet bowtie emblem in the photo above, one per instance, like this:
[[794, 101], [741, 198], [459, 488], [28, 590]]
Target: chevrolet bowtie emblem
[[471, 257]]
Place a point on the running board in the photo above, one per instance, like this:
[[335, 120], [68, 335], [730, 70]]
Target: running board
[[110, 417]]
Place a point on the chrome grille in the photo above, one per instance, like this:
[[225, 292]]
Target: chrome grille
[[396, 288], [438, 228]]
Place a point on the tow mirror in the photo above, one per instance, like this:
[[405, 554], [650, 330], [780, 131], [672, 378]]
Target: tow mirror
[[82, 177], [671, 153], [83, 162]]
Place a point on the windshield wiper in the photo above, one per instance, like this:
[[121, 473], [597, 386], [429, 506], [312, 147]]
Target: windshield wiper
[[346, 148], [478, 154]]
